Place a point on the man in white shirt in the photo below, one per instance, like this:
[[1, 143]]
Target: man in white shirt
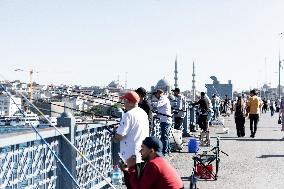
[[133, 129], [164, 113]]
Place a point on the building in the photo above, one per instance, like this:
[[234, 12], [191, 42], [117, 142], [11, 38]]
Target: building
[[9, 105], [219, 89]]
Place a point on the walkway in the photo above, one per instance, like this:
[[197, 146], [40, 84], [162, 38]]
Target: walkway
[[252, 163]]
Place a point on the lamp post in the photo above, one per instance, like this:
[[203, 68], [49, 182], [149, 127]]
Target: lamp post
[[279, 67]]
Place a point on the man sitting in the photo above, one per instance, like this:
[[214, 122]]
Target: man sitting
[[157, 172]]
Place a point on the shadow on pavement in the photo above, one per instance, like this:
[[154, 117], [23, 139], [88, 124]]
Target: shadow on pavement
[[270, 156], [251, 139]]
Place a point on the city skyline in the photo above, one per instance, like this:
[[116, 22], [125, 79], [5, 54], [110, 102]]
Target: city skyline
[[95, 42]]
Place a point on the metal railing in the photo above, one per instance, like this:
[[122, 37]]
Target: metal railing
[[26, 162]]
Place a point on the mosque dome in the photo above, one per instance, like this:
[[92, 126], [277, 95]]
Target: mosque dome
[[114, 84], [164, 85]]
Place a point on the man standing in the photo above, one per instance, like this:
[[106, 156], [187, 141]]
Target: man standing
[[157, 173], [133, 129], [203, 112], [164, 113], [144, 104], [180, 110], [254, 105]]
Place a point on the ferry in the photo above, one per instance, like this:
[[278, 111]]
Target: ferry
[[19, 120], [5, 121]]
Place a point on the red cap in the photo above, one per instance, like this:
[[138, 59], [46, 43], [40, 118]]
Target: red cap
[[131, 97]]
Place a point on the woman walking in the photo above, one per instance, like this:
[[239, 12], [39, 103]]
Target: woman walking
[[239, 109], [281, 113]]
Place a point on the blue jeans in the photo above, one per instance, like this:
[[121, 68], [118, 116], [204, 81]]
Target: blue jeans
[[165, 137]]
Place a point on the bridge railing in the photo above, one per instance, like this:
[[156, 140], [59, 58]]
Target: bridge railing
[[27, 162]]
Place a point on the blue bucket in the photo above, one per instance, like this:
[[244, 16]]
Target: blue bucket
[[193, 145]]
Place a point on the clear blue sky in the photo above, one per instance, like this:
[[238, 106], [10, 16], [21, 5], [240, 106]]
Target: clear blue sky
[[92, 42]]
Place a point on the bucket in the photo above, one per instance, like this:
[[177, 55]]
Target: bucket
[[193, 145], [176, 137]]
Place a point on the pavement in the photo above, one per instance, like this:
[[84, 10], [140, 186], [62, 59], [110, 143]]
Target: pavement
[[253, 163]]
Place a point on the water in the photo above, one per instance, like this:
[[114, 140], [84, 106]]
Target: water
[[13, 129], [116, 177]]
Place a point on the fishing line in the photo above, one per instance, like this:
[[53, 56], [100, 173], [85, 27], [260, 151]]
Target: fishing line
[[72, 145], [46, 143]]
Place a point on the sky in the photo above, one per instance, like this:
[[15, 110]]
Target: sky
[[95, 42]]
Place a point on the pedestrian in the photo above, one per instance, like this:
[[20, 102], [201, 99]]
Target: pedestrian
[[254, 105], [265, 105], [272, 107], [180, 110], [163, 107], [158, 173], [239, 109], [203, 112], [133, 129], [144, 104], [281, 113], [216, 106]]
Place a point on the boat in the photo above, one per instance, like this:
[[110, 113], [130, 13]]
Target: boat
[[28, 119], [4, 121]]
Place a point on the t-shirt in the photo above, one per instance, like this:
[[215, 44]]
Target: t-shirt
[[157, 174], [254, 104], [134, 126]]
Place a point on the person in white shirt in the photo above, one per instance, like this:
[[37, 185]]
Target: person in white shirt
[[164, 113], [133, 129]]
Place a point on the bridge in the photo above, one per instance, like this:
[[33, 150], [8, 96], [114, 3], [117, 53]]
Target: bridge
[[27, 162]]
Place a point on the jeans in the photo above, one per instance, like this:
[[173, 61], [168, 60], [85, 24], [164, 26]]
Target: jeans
[[165, 137]]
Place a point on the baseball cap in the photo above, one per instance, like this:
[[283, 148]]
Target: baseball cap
[[131, 96], [158, 91], [141, 91], [154, 143], [176, 90]]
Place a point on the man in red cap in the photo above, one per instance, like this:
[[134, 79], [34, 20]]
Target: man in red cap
[[133, 129]]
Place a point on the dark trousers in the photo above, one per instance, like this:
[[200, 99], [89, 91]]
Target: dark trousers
[[165, 137], [139, 168], [178, 123], [253, 122], [203, 122], [240, 126]]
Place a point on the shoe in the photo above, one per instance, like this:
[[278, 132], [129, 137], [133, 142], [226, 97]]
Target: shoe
[[251, 136]]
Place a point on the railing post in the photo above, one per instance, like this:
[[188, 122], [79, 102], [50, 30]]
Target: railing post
[[67, 154], [185, 122]]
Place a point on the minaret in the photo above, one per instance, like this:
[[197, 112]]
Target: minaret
[[176, 72], [193, 83]]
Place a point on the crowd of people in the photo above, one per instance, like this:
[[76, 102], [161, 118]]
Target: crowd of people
[[145, 165]]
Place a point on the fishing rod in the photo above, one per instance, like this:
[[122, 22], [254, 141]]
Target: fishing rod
[[100, 97], [109, 125], [46, 143], [81, 93], [65, 138]]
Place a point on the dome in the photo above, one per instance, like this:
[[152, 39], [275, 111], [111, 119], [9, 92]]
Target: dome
[[114, 84], [163, 83]]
